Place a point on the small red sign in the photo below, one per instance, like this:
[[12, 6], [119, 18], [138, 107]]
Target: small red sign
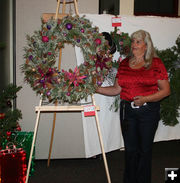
[[116, 22], [89, 110]]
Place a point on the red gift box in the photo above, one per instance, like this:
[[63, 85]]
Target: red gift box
[[13, 166]]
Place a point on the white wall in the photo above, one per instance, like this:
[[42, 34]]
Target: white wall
[[68, 139]]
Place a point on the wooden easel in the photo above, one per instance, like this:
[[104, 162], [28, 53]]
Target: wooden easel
[[57, 108], [47, 16], [58, 15]]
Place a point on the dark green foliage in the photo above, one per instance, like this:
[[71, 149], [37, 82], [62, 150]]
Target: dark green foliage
[[10, 118], [122, 41], [2, 45], [170, 105]]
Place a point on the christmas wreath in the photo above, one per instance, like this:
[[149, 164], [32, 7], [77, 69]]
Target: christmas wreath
[[41, 53]]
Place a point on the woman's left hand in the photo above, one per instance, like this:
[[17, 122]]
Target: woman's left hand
[[139, 100], [164, 91]]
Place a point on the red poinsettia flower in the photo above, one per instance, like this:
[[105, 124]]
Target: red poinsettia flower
[[75, 77]]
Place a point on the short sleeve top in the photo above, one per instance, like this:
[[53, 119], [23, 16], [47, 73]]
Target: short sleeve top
[[140, 82]]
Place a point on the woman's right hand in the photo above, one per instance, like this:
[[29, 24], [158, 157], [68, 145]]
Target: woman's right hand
[[110, 90]]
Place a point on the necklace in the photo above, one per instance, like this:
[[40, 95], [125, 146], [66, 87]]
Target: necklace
[[136, 61]]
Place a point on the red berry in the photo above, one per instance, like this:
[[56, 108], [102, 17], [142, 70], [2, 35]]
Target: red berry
[[98, 41], [8, 133]]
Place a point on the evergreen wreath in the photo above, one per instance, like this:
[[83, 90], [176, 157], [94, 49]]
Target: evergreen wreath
[[41, 53]]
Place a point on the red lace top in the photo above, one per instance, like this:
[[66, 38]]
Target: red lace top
[[140, 82]]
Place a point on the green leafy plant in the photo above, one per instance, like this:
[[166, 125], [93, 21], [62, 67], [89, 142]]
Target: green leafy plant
[[170, 105], [9, 117], [122, 41], [2, 45]]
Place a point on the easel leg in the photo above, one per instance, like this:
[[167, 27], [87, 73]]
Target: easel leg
[[64, 6], [101, 143], [52, 137], [57, 9], [54, 119], [76, 8], [33, 142]]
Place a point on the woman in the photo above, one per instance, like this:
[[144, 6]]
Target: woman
[[141, 81]]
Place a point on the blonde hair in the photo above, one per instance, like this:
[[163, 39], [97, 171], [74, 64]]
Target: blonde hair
[[150, 51]]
